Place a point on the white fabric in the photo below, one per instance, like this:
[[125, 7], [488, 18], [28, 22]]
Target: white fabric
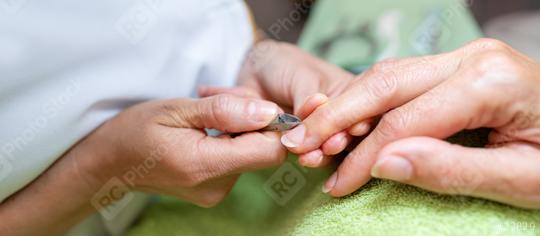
[[67, 66]]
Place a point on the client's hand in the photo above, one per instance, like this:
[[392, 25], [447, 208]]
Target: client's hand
[[424, 100], [166, 142], [298, 82]]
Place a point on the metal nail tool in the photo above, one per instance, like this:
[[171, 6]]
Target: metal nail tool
[[283, 122]]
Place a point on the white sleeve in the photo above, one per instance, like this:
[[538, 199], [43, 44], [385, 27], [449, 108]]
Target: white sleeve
[[68, 66]]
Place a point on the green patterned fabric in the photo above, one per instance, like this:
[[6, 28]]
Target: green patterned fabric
[[352, 34]]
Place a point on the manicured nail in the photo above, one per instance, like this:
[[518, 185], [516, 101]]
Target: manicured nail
[[295, 137], [262, 111], [330, 183], [393, 168], [312, 159]]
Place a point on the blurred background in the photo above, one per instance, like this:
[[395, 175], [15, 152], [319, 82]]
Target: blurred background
[[268, 12]]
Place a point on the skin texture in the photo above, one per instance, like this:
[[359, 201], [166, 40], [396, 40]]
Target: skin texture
[[424, 100], [186, 163], [299, 83], [421, 101]]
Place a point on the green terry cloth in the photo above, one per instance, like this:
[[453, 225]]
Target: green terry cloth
[[257, 207]]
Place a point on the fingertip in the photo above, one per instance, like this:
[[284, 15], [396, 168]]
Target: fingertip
[[311, 103], [295, 137], [329, 185], [336, 143], [202, 90], [318, 99], [360, 129], [311, 159], [353, 173]]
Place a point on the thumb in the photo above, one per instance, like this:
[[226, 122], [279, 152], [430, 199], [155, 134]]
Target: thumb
[[225, 112], [245, 92], [500, 174]]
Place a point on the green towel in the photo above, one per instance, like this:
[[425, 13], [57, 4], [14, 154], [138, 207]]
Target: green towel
[[255, 207]]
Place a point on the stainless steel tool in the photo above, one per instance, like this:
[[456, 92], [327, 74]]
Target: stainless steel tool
[[283, 122]]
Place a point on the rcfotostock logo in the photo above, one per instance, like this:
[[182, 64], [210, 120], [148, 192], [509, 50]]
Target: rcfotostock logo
[[430, 32], [284, 184], [435, 29], [138, 20], [112, 198]]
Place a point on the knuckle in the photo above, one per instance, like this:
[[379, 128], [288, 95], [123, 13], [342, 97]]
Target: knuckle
[[385, 65], [220, 106], [383, 84], [494, 60], [392, 124], [460, 176], [451, 180], [287, 47], [167, 108], [328, 114], [489, 44], [495, 70], [170, 113]]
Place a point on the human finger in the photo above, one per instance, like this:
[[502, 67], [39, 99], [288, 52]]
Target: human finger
[[507, 174]]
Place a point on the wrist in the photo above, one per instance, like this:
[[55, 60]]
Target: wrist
[[77, 176], [95, 159]]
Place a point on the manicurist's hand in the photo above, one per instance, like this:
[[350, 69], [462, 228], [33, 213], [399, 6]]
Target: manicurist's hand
[[189, 164], [159, 147], [298, 82], [424, 100]]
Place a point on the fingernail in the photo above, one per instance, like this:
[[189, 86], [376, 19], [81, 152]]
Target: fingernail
[[330, 183], [393, 168], [262, 111], [341, 138], [313, 159], [294, 137], [360, 129], [201, 89]]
